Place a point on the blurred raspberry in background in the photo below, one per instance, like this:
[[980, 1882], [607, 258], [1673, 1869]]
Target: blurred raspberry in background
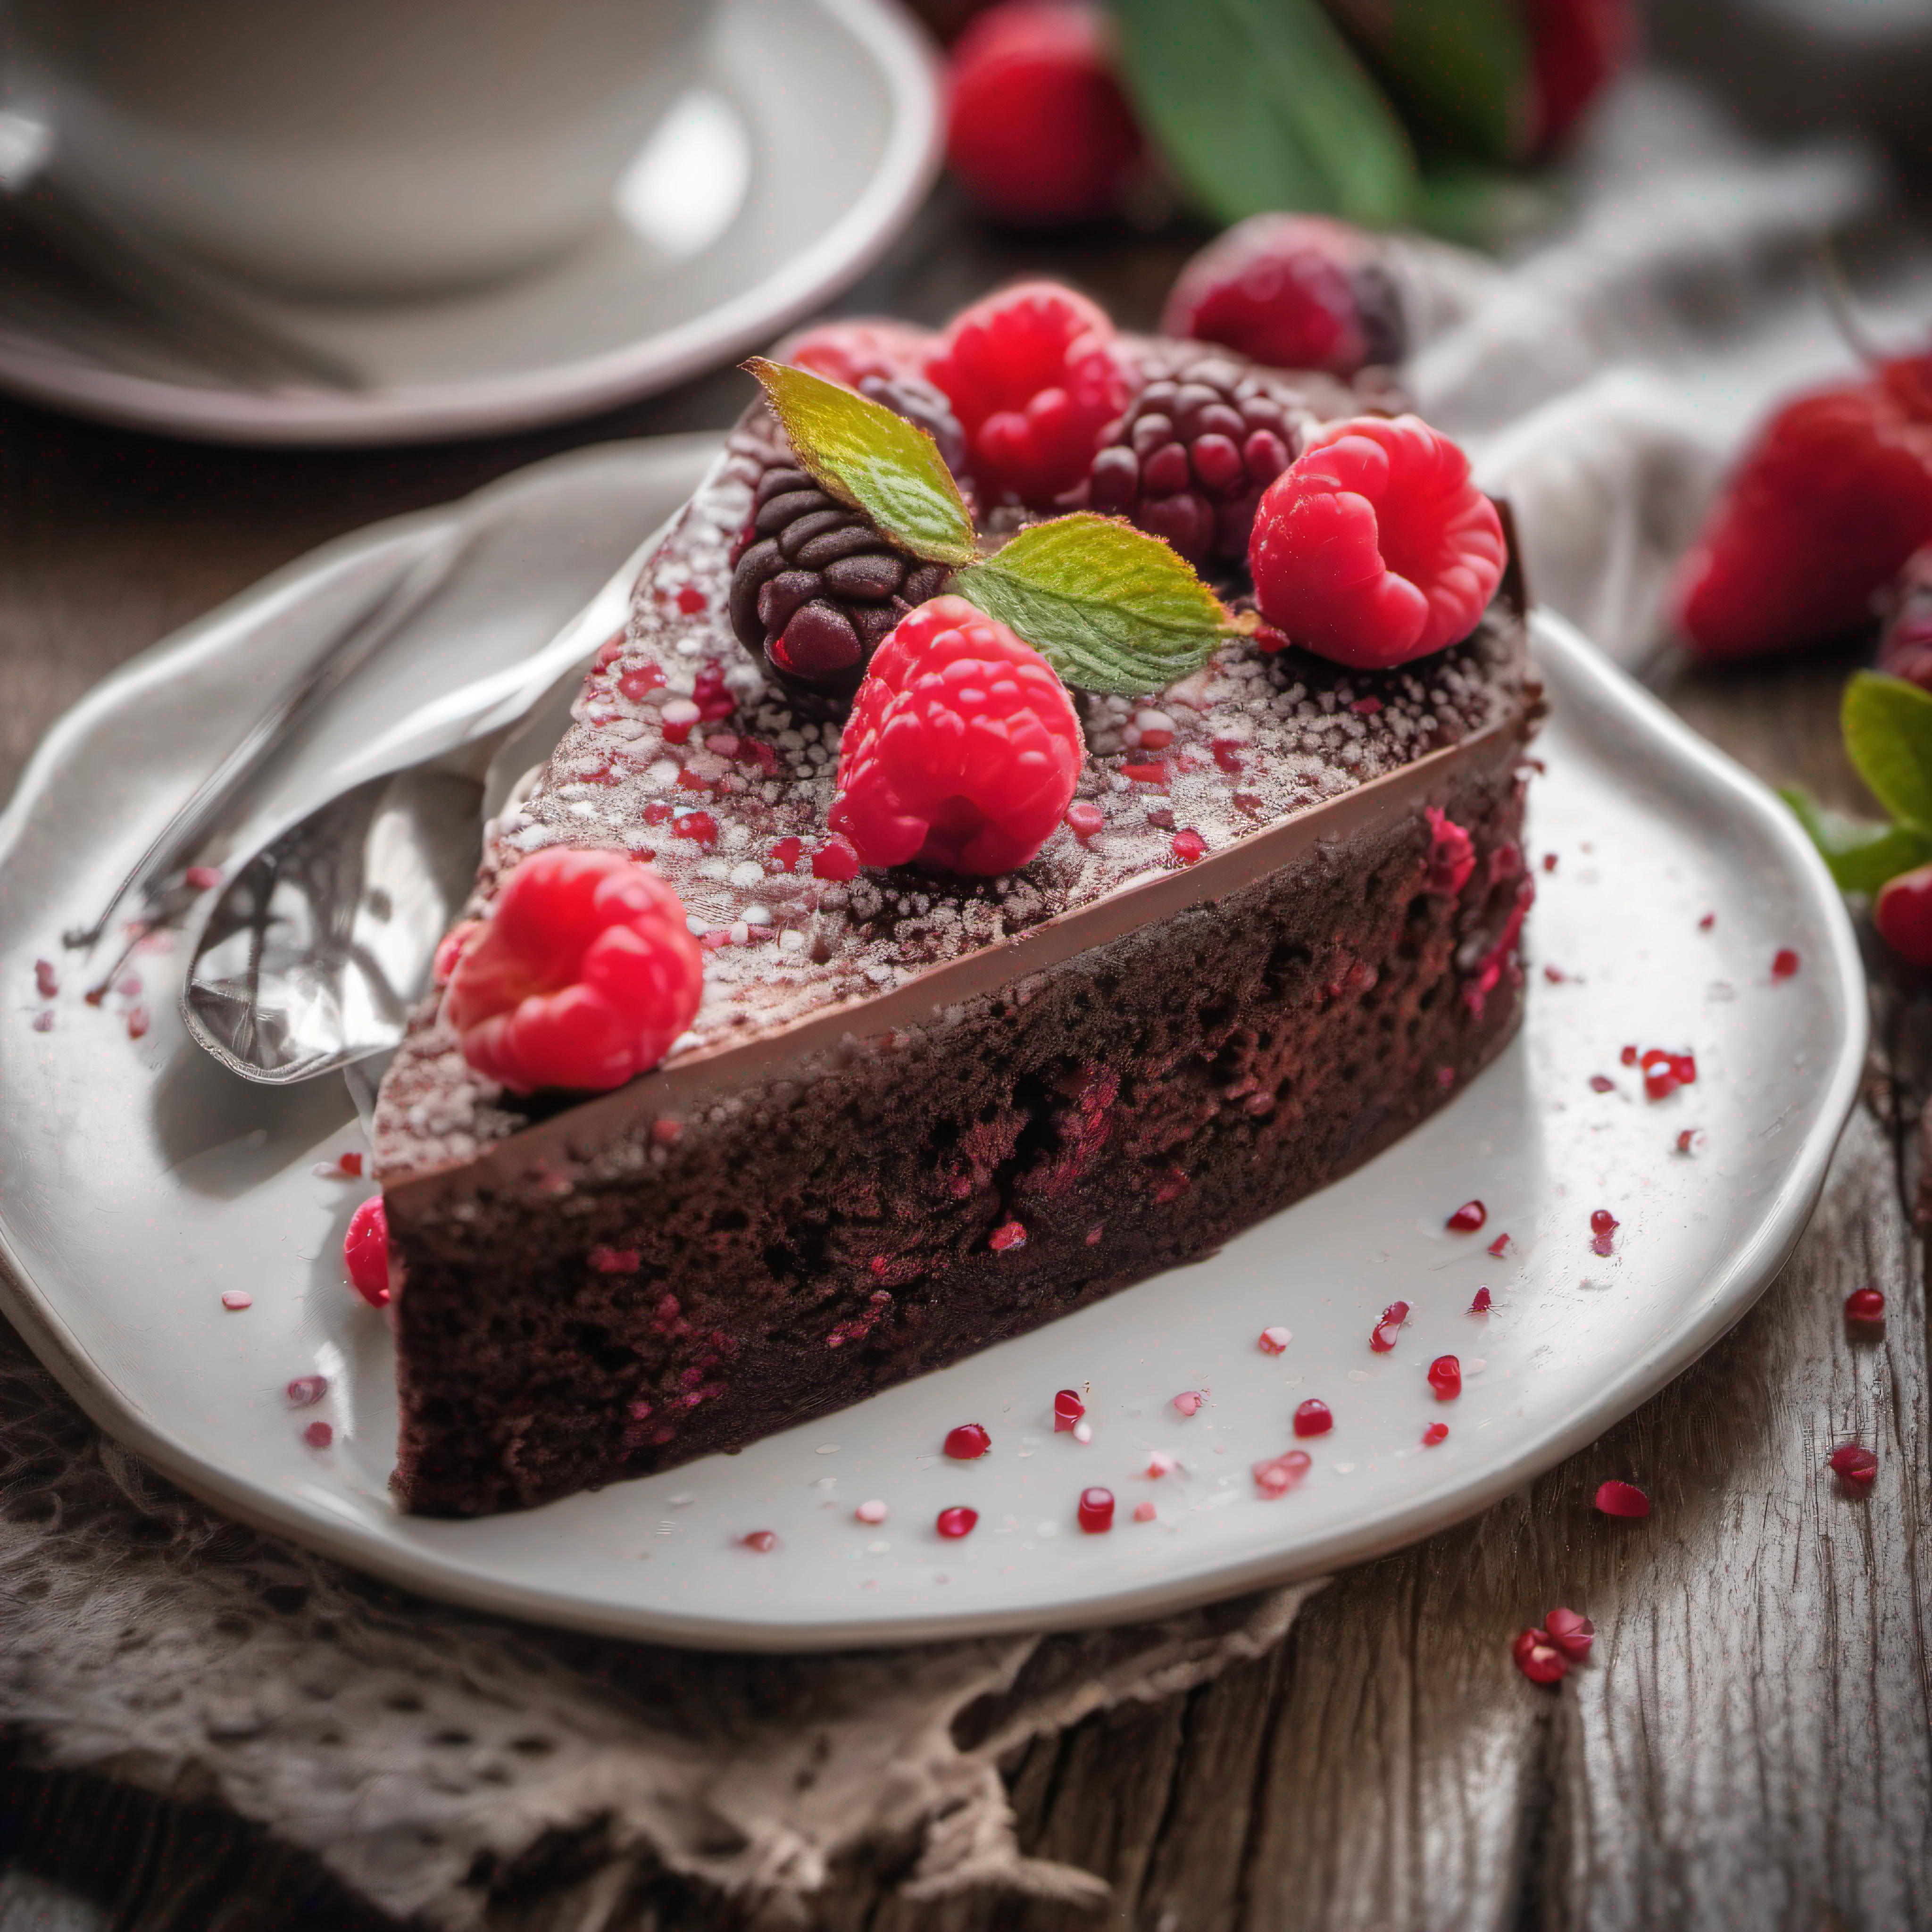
[[1387, 113]]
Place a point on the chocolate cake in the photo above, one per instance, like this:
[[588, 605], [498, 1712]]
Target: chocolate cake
[[917, 1113]]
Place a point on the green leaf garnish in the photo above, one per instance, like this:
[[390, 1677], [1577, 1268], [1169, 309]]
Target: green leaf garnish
[[1458, 70], [1860, 855], [1260, 104], [1887, 725], [871, 459], [1111, 608]]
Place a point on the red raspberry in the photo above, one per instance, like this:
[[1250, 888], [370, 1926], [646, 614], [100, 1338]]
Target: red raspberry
[[962, 749], [847, 351], [365, 1252], [1294, 292], [583, 977], [1575, 47], [1034, 374], [1904, 915], [1037, 128], [1374, 546], [1823, 511]]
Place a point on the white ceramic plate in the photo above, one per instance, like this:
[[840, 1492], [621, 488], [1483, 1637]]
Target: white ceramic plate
[[752, 204], [138, 1182]]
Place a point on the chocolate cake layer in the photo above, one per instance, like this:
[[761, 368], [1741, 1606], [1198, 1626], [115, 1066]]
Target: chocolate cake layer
[[916, 1114]]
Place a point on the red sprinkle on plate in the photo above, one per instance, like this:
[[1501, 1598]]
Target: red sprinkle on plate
[[1096, 1510], [1622, 1499]]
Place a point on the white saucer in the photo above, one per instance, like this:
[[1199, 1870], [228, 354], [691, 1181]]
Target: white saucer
[[138, 1181], [773, 183]]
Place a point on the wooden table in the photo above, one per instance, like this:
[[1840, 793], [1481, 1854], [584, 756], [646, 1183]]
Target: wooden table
[[1750, 1746]]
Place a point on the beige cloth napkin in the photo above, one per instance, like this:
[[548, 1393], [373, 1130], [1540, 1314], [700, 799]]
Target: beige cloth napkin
[[421, 1752]]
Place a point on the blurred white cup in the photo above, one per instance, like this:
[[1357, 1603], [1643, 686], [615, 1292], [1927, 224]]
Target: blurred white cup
[[352, 147]]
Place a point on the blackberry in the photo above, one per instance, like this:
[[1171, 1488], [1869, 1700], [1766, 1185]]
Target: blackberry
[[1190, 458], [815, 589]]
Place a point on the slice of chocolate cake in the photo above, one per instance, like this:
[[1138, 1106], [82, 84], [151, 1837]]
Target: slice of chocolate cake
[[916, 1111]]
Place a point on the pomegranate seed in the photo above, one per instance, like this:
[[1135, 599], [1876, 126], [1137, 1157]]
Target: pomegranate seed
[[874, 1511], [1628, 1056], [1068, 1409], [968, 1443], [1084, 818], [1445, 1378], [1856, 1467], [137, 1022], [1864, 1304], [236, 1299], [1665, 1072], [1705, 924], [349, 1163], [1096, 1510], [1572, 1634], [318, 1435], [1188, 1402], [305, 1391], [690, 600], [700, 825], [761, 1540], [1008, 1235], [1549, 861], [1500, 1245], [1555, 975], [1272, 1341], [1687, 1141], [1468, 1218], [1277, 1477], [956, 1521], [1601, 1083], [1615, 1499], [1313, 1418], [1154, 774], [1603, 1225], [1480, 1306], [1188, 845], [1381, 1339], [1537, 1658], [47, 983], [1145, 1512], [1436, 1432], [1784, 963]]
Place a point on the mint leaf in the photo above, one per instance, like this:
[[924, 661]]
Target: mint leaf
[[1888, 726], [1260, 104], [1111, 608], [1460, 71], [1861, 855], [872, 459]]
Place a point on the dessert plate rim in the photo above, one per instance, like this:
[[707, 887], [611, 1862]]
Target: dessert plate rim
[[548, 389], [436, 1561]]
